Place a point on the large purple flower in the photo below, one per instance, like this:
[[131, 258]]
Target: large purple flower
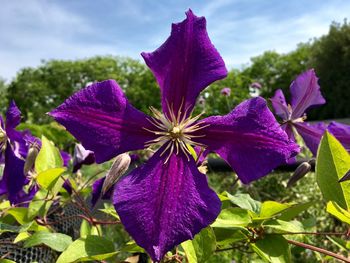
[[167, 200], [305, 93]]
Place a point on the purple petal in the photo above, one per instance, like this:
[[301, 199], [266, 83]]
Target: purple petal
[[101, 117], [13, 178], [67, 186], [185, 64], [341, 132], [305, 93], [279, 105], [249, 139], [82, 156], [311, 134], [13, 116], [66, 158], [96, 190], [162, 205]]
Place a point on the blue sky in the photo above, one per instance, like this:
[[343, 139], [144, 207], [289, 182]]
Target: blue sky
[[34, 30]]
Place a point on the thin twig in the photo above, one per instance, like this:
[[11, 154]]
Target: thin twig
[[320, 250]]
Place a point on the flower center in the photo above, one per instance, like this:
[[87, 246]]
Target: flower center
[[290, 120], [175, 132]]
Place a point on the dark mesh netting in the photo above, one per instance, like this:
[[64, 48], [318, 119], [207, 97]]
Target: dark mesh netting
[[62, 219]]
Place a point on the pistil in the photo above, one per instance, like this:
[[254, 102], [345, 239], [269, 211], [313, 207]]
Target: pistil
[[175, 132]]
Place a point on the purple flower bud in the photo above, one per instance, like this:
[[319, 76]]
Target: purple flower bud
[[119, 167], [256, 85], [299, 173], [201, 100], [226, 91]]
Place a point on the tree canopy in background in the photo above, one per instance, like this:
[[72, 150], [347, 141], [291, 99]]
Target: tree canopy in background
[[38, 90]]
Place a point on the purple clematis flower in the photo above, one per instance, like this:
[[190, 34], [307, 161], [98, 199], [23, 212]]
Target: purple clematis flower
[[167, 200], [13, 150], [305, 93]]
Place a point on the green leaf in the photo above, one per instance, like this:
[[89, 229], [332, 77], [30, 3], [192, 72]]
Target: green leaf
[[48, 178], [21, 236], [245, 201], [284, 226], [232, 217], [333, 161], [89, 248], [8, 228], [20, 214], [132, 247], [340, 213], [271, 208], [110, 210], [273, 248], [39, 205], [48, 157], [204, 244], [56, 241], [2, 260], [294, 210], [190, 251], [225, 237]]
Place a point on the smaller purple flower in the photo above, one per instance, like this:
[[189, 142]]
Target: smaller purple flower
[[13, 150], [226, 92], [305, 93], [256, 85]]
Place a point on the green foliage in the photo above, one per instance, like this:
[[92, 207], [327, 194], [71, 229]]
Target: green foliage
[[56, 241], [334, 209], [333, 161], [49, 157], [53, 132], [39, 90], [202, 247], [88, 248], [273, 248], [330, 56]]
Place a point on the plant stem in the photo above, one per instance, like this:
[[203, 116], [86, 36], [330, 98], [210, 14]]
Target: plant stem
[[320, 250]]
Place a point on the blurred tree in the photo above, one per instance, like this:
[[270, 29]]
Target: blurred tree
[[3, 95], [330, 57], [276, 71], [38, 90], [216, 103]]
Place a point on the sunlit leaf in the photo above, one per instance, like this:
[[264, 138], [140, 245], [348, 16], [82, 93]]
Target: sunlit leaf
[[56, 241], [232, 217], [245, 201], [88, 248], [48, 178], [273, 248], [340, 213], [272, 208], [333, 161], [48, 157]]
